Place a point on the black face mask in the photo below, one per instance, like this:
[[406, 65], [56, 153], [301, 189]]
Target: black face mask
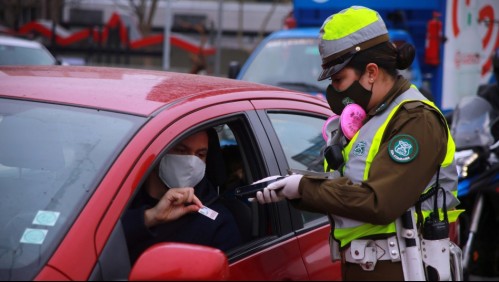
[[355, 94]]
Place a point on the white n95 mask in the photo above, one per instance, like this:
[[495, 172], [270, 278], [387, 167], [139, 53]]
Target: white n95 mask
[[178, 171]]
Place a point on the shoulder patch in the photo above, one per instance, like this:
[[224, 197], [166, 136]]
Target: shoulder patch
[[403, 148]]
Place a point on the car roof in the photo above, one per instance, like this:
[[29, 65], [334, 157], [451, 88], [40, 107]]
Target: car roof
[[134, 91], [20, 42], [312, 32]]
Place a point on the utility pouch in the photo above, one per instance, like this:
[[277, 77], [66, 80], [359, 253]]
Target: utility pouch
[[435, 243], [436, 259]]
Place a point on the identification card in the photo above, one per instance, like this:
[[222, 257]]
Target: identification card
[[206, 211]]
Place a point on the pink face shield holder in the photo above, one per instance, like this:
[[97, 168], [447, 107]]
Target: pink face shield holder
[[330, 125], [351, 119]]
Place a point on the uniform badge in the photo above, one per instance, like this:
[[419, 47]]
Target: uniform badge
[[360, 149], [403, 148]]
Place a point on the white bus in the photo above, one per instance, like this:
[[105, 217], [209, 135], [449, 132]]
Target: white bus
[[247, 17]]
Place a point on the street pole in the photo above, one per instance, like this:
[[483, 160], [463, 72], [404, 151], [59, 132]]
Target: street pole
[[167, 35], [218, 40]]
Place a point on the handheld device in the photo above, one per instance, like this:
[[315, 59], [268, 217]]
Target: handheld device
[[249, 191]]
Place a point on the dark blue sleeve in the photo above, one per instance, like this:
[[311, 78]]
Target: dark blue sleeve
[[134, 227], [227, 235]]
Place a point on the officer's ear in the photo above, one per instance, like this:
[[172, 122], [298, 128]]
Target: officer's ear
[[372, 72]]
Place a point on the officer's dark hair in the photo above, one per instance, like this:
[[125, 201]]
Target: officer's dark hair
[[387, 56]]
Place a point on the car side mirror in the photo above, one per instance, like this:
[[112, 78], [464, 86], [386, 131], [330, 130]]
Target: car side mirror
[[234, 68], [178, 261]]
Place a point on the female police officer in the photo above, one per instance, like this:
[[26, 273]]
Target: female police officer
[[403, 148]]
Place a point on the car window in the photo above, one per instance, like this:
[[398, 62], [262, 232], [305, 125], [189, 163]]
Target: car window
[[301, 139], [248, 215], [234, 165], [302, 142], [244, 162], [52, 157], [20, 55]]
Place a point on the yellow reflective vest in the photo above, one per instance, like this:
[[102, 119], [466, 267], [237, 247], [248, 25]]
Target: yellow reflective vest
[[357, 170]]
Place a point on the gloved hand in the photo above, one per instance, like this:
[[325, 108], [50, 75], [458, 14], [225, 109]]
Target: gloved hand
[[263, 180], [286, 188]]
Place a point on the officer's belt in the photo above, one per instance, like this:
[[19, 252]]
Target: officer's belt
[[368, 252]]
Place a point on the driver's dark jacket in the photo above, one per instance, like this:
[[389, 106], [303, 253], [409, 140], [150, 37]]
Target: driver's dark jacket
[[195, 228]]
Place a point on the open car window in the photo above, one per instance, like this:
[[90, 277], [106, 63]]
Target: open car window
[[237, 162]]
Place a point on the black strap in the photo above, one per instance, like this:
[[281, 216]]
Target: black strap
[[433, 191]]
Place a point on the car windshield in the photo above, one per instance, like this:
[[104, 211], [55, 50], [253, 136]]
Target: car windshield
[[18, 55], [290, 63], [52, 157]]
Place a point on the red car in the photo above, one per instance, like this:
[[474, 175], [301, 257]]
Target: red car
[[76, 144]]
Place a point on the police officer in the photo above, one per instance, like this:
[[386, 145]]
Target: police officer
[[402, 149]]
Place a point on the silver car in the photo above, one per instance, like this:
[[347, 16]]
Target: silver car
[[18, 51]]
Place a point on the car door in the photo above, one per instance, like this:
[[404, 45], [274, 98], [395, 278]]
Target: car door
[[272, 252], [295, 131]]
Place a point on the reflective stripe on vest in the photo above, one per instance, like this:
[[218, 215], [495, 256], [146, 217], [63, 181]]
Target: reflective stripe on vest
[[358, 162]]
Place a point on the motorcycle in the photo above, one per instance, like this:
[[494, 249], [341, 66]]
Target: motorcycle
[[475, 129]]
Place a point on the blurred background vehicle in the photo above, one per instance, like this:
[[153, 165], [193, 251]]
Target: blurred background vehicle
[[286, 58], [290, 58], [19, 51]]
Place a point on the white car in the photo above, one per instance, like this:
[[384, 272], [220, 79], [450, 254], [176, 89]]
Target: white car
[[18, 51]]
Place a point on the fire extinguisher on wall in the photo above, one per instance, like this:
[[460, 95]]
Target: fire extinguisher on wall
[[289, 21], [433, 40]]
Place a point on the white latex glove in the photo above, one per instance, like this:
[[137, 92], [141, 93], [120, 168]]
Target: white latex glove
[[286, 188]]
